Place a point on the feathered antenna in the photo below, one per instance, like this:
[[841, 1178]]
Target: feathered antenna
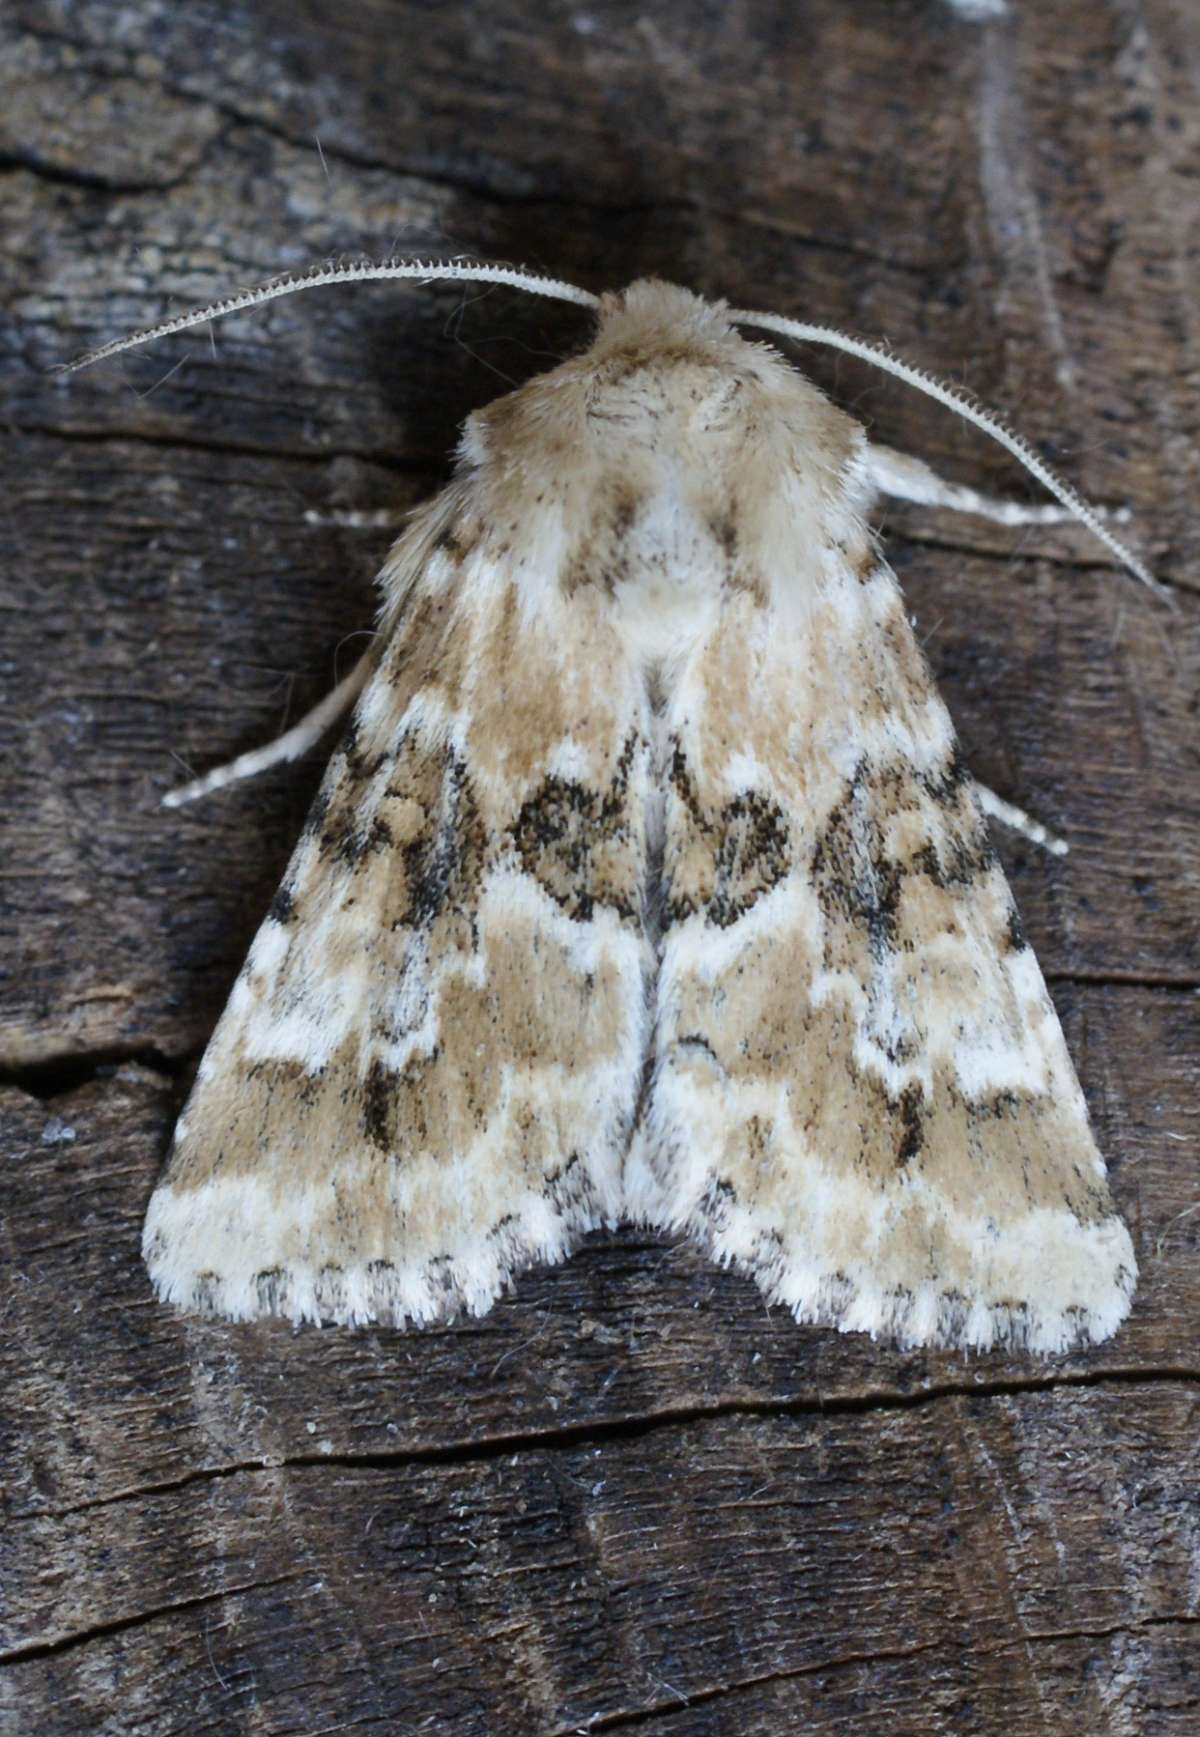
[[355, 271]]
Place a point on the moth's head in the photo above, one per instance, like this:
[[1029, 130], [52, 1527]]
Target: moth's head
[[651, 316], [664, 365], [664, 362]]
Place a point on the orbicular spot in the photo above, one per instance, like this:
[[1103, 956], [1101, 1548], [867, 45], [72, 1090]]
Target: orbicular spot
[[722, 859], [752, 856], [577, 842], [553, 834]]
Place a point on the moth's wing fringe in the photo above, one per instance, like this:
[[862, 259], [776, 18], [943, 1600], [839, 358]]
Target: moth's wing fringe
[[928, 1315], [393, 1293]]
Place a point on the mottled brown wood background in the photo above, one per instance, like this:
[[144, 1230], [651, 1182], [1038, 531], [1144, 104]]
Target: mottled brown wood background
[[630, 1498]]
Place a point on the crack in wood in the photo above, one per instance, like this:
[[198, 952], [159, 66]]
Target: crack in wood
[[59, 1075], [719, 1691], [45, 1649], [625, 1721], [1099, 562], [597, 1432]]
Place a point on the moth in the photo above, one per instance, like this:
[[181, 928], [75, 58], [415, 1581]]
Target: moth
[[648, 883]]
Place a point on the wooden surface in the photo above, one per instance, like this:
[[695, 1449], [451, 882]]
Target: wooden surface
[[630, 1498]]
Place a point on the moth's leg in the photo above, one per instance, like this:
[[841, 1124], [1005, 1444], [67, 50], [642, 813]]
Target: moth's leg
[[289, 746], [359, 519], [1016, 818], [911, 479]]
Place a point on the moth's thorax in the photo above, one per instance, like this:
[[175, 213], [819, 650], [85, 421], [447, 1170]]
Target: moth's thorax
[[672, 569], [684, 406], [666, 469]]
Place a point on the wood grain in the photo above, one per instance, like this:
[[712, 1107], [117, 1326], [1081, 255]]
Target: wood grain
[[630, 1497]]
